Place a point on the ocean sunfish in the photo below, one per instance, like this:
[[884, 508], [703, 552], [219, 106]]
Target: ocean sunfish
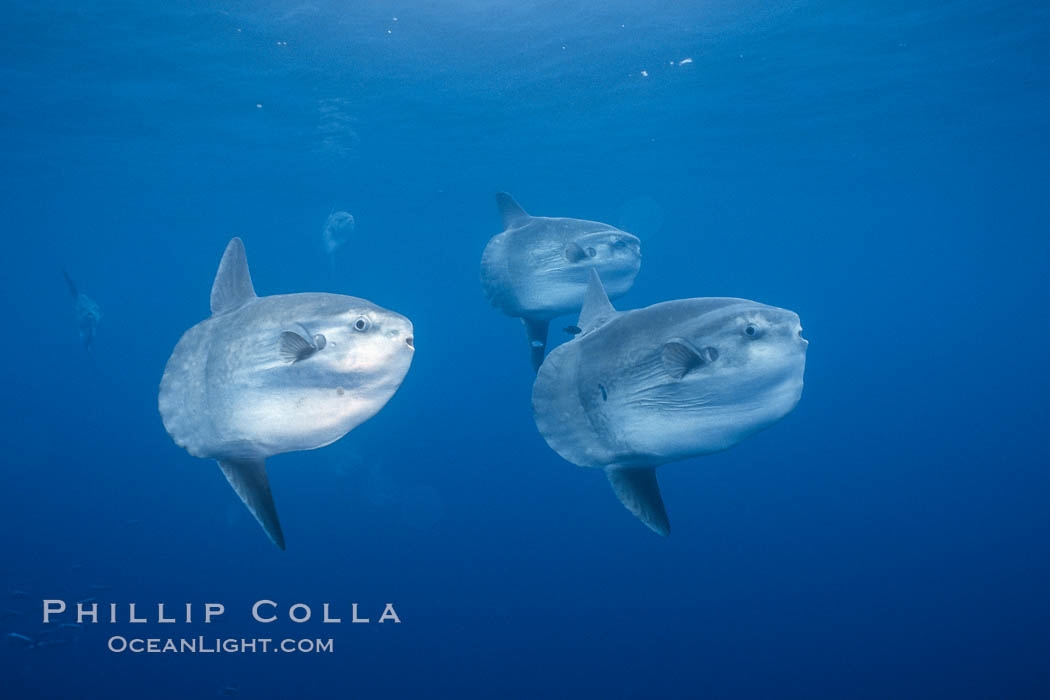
[[538, 267], [87, 312], [637, 389], [268, 375]]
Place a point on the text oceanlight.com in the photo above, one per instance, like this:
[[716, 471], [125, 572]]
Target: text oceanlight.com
[[89, 612], [203, 645]]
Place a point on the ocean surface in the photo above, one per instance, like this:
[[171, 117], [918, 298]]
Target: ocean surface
[[880, 168]]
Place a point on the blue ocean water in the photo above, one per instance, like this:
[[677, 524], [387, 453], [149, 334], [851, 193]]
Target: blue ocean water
[[879, 168]]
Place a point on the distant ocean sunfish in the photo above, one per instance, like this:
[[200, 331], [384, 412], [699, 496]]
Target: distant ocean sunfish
[[641, 388], [537, 269], [87, 312], [268, 375]]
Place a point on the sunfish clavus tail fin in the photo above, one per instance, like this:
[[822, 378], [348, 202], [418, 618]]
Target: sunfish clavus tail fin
[[638, 491], [248, 479], [537, 332]]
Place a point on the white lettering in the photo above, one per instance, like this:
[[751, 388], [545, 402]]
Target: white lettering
[[213, 610], [81, 613], [260, 603], [51, 607], [390, 614], [291, 613]]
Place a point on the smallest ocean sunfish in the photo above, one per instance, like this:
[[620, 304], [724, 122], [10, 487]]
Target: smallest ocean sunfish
[[538, 268]]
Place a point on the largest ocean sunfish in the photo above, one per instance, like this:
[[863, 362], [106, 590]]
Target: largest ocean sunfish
[[683, 378], [283, 373], [537, 268]]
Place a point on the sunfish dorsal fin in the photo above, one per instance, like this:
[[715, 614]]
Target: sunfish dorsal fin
[[638, 491], [232, 288], [511, 212], [596, 305], [248, 479]]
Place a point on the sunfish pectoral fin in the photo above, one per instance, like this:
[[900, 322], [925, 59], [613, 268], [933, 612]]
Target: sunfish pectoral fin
[[248, 479], [537, 332], [596, 305], [574, 253], [638, 491], [680, 358], [510, 211], [232, 287], [293, 347]]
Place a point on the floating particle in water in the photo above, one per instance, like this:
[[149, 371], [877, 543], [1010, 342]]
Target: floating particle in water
[[337, 230], [258, 106], [685, 61], [645, 74]]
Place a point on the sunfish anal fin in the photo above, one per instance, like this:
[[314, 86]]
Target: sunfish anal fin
[[638, 491], [510, 211], [248, 479], [537, 332], [232, 287], [596, 305]]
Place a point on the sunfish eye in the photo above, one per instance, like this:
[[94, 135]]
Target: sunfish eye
[[591, 252], [361, 324], [750, 330]]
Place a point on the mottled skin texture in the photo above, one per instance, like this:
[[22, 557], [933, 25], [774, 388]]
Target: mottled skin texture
[[227, 392], [526, 273], [607, 398]]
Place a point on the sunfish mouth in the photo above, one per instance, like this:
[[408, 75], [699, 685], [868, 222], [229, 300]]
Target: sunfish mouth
[[409, 342]]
